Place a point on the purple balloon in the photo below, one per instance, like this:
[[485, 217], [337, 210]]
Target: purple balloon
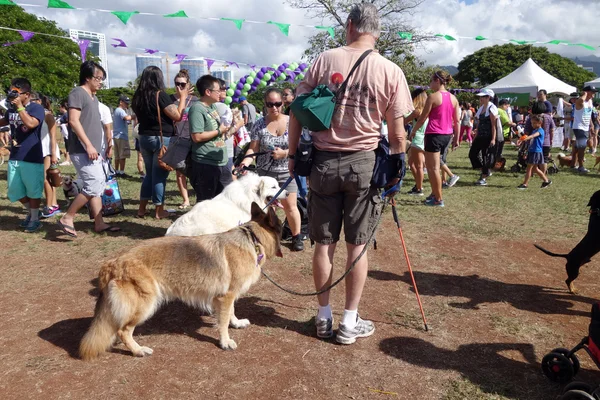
[[256, 82], [260, 74], [237, 93], [292, 76], [285, 65], [240, 86], [281, 68], [253, 87], [264, 70], [302, 66]]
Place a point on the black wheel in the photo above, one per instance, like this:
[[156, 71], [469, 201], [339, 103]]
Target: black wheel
[[557, 367], [515, 168], [573, 358], [577, 395], [585, 387]]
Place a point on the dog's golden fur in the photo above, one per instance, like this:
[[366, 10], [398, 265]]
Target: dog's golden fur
[[209, 272]]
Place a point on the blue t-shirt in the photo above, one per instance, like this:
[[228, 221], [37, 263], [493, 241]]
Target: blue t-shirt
[[537, 144], [26, 144], [119, 124]]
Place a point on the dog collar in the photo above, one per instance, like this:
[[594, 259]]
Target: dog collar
[[257, 246]]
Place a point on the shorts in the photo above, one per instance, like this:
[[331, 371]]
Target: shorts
[[581, 138], [25, 179], [436, 143], [536, 158], [280, 177], [91, 173], [122, 149], [341, 193], [444, 156], [546, 153]]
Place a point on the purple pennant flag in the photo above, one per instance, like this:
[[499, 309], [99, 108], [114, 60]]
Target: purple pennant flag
[[150, 51], [209, 62], [83, 46], [253, 66], [230, 63], [120, 44], [180, 58], [26, 35]]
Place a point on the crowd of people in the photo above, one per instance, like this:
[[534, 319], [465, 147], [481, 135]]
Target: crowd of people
[[341, 195]]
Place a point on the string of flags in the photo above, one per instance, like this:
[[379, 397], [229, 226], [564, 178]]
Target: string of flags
[[284, 28]]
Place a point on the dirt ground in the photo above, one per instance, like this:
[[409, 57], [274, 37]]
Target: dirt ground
[[494, 309]]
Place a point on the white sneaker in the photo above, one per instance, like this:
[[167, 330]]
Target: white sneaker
[[453, 179], [324, 327], [362, 329]]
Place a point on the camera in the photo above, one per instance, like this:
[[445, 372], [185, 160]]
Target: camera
[[10, 96]]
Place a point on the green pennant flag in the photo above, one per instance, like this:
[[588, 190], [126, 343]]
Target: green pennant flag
[[557, 42], [124, 15], [238, 22], [480, 38], [585, 46], [405, 35], [522, 41], [329, 30], [178, 14], [284, 28], [59, 4], [447, 37], [7, 3]]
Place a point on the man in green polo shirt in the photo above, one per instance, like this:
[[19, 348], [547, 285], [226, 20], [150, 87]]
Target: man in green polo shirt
[[209, 152]]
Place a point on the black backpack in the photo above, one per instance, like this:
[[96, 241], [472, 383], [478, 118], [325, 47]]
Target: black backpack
[[286, 233]]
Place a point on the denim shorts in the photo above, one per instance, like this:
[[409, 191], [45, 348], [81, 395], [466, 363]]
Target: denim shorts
[[581, 138]]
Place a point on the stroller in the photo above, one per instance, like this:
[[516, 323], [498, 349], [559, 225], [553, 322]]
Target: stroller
[[561, 365], [521, 164]]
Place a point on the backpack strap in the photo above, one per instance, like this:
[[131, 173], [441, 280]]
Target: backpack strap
[[344, 84]]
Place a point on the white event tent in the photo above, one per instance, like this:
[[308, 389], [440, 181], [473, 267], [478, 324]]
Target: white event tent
[[529, 78], [595, 83]]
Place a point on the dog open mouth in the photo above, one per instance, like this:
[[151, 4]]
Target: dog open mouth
[[275, 203]]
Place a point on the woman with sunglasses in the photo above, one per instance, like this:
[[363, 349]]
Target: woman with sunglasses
[[144, 105], [443, 112], [270, 135], [182, 128]]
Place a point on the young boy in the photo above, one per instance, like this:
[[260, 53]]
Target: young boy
[[535, 155]]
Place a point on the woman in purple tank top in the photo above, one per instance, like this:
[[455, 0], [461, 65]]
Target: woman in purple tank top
[[444, 120]]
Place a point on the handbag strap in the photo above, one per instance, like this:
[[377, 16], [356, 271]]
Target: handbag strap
[[159, 120], [344, 84]]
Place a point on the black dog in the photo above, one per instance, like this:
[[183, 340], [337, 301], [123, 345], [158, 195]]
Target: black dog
[[586, 248]]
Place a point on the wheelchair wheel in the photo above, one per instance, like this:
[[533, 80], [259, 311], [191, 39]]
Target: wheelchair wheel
[[577, 395], [573, 358], [557, 367], [585, 387], [552, 170]]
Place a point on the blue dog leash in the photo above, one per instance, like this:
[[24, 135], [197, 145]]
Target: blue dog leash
[[391, 190], [274, 199]]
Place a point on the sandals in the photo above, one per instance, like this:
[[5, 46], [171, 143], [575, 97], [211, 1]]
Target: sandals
[[64, 228], [109, 229]]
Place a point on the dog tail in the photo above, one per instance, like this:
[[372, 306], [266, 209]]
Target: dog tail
[[101, 334], [550, 253]]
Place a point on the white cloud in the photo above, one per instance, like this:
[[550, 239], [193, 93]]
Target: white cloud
[[261, 44]]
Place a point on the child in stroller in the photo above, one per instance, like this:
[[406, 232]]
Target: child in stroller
[[521, 164], [561, 365]]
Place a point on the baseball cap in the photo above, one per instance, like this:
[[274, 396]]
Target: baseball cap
[[574, 95], [486, 92], [242, 98], [124, 99], [590, 89]]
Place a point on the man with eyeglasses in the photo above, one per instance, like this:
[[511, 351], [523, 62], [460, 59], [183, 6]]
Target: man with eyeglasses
[[26, 163], [85, 144]]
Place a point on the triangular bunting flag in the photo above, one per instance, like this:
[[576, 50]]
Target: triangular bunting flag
[[238, 22], [522, 41], [83, 46], [180, 58], [124, 15], [120, 44], [284, 28], [178, 14], [480, 38], [59, 4], [405, 35], [7, 3], [558, 42], [585, 46], [150, 51], [329, 30], [209, 62], [447, 37]]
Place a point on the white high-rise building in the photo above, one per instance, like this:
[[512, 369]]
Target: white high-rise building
[[97, 47], [226, 75]]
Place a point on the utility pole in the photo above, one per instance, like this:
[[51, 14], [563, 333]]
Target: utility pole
[[168, 82]]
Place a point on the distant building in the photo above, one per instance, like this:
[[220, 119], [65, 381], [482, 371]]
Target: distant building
[[142, 62], [97, 47], [226, 75], [196, 67]]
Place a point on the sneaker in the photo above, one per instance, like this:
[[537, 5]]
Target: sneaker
[[297, 244], [453, 179], [522, 187], [445, 185], [33, 226], [48, 212], [583, 170], [546, 184], [428, 197], [362, 329], [481, 182], [25, 223], [324, 327], [415, 192], [434, 203]]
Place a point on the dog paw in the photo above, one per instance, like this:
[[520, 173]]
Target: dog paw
[[228, 344], [144, 351], [240, 323]]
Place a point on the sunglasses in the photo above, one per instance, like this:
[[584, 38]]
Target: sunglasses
[[278, 104], [181, 84]]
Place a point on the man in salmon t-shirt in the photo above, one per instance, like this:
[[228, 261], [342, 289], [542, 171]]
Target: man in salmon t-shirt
[[340, 191]]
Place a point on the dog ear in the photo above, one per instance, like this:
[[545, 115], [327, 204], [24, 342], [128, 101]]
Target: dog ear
[[273, 219], [260, 188], [256, 212]]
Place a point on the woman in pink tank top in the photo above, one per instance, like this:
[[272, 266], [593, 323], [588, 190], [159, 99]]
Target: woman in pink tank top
[[444, 117]]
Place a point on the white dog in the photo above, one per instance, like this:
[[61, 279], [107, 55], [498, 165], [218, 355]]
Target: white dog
[[229, 209], [71, 188]]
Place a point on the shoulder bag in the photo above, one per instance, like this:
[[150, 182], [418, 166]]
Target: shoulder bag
[[314, 110], [178, 151], [163, 148]]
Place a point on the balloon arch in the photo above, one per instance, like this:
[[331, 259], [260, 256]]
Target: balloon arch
[[264, 77]]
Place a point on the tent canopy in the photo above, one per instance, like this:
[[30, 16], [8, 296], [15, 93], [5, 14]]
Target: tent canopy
[[529, 78], [595, 83]]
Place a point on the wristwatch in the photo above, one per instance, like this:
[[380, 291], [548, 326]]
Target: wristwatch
[[292, 156]]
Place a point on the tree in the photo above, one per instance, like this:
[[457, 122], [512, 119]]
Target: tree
[[393, 17], [51, 64], [495, 62], [110, 97]]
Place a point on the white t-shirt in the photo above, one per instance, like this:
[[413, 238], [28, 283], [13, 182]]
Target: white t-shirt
[[45, 139], [105, 118]]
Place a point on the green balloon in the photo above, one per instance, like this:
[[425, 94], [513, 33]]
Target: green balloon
[[228, 100], [299, 76], [294, 66], [275, 66], [282, 77], [249, 79], [253, 74], [245, 93], [267, 77], [262, 84], [229, 92], [247, 87]]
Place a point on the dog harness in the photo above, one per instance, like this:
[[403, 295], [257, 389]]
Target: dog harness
[[257, 245]]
